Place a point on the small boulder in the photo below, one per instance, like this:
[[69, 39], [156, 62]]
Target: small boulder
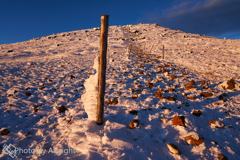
[[150, 85], [28, 94], [5, 132], [231, 84], [62, 109], [134, 112], [216, 124], [197, 113], [179, 120], [134, 124], [206, 94], [193, 141], [173, 148], [222, 157], [222, 98], [173, 77]]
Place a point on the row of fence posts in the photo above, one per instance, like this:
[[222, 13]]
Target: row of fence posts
[[102, 67]]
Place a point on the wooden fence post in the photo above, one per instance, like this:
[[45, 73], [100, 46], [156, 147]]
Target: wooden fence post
[[129, 50], [163, 52], [102, 68], [151, 49]]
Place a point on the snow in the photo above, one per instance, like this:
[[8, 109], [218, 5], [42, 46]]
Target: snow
[[39, 76]]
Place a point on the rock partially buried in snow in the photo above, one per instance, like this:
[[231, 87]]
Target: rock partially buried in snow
[[5, 132], [164, 120], [222, 157], [230, 84], [134, 123], [206, 94], [193, 139], [179, 120], [197, 113], [173, 148], [216, 124]]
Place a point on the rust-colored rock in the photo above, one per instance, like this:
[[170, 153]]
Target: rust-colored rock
[[112, 102], [5, 132], [190, 140], [173, 77], [189, 87], [134, 123], [150, 85], [190, 83], [222, 157], [197, 113], [191, 97], [222, 98], [206, 94], [158, 94], [216, 123], [171, 90], [140, 72], [179, 120]]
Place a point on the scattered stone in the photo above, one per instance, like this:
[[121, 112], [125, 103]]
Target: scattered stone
[[134, 124], [231, 84], [171, 90], [140, 72], [197, 113], [180, 107], [112, 102], [119, 92], [147, 109], [164, 120], [5, 132], [62, 109], [206, 94], [72, 77], [35, 108], [222, 98], [222, 157], [173, 77], [179, 120], [10, 50], [134, 112], [150, 85], [192, 141], [216, 124], [173, 148], [28, 94], [191, 97], [158, 95]]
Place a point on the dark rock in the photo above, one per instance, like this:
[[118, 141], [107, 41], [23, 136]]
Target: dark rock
[[231, 84], [5, 132], [28, 94], [179, 120], [134, 112], [62, 109]]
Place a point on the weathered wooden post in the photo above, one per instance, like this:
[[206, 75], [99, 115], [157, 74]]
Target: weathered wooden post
[[151, 49], [129, 50], [163, 52], [102, 68]]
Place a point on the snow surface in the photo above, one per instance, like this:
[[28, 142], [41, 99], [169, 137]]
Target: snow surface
[[61, 69]]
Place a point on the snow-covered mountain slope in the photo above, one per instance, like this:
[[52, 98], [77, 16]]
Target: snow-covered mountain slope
[[189, 100]]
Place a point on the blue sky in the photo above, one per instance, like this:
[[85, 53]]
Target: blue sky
[[21, 20]]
